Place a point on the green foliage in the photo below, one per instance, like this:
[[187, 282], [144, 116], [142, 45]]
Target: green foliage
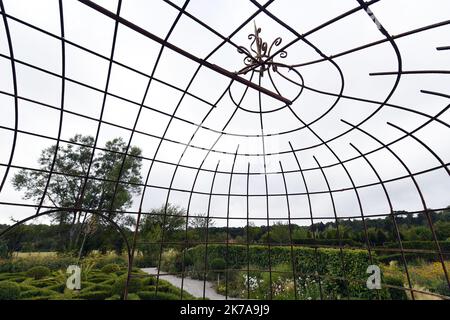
[[38, 272], [9, 290], [97, 287], [417, 245], [149, 281], [43, 283], [308, 261], [24, 264], [37, 292], [111, 268], [94, 295], [133, 296], [171, 260], [394, 293], [4, 253], [442, 288], [218, 264], [100, 194], [60, 287], [118, 287], [169, 218]]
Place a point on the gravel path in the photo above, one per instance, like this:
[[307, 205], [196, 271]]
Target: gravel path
[[194, 287]]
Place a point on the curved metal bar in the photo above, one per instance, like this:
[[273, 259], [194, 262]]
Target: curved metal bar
[[205, 272], [293, 260], [394, 220], [341, 251], [228, 223], [311, 217], [16, 101], [422, 199], [108, 78], [61, 115]]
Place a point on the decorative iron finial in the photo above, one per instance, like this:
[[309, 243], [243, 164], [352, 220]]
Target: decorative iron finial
[[259, 59]]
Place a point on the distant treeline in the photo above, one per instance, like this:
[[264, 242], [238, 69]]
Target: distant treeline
[[351, 232]]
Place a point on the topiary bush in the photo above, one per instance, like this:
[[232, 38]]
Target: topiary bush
[[43, 283], [35, 293], [133, 296], [97, 287], [395, 294], [111, 268], [38, 272], [9, 290], [149, 281], [118, 287], [94, 295]]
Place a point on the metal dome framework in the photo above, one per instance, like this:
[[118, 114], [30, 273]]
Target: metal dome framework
[[268, 71]]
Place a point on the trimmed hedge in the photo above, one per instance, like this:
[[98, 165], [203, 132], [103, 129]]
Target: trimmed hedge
[[97, 287], [309, 262], [94, 295], [329, 242], [111, 268], [9, 290], [35, 293], [421, 245], [395, 294], [119, 285], [38, 272], [418, 245]]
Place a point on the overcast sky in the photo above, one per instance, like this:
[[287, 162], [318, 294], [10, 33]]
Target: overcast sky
[[94, 31]]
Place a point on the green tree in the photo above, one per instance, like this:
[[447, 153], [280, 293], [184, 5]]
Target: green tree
[[442, 230], [164, 221], [101, 192], [200, 223]]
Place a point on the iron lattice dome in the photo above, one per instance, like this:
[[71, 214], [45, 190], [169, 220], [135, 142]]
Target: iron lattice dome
[[329, 118]]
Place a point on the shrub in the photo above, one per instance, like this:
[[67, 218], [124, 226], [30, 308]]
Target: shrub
[[145, 261], [4, 254], [9, 290], [60, 287], [308, 262], [97, 287], [119, 285], [442, 288], [149, 295], [37, 293], [133, 296], [149, 281], [111, 268], [395, 294], [114, 297], [17, 278], [38, 272], [218, 264], [24, 264], [101, 279], [43, 283], [94, 295], [171, 260], [101, 261]]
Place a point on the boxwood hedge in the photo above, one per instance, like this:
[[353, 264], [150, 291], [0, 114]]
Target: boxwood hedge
[[342, 273]]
